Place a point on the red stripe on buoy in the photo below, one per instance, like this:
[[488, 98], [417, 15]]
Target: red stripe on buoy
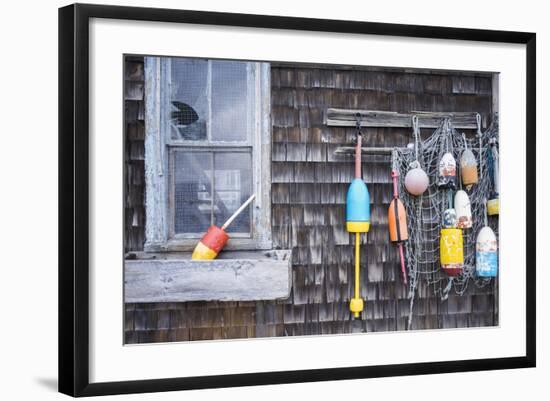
[[215, 238]]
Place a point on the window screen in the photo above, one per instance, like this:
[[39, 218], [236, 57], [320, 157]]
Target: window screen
[[192, 192], [210, 101], [208, 186], [211, 124], [229, 101], [188, 99]]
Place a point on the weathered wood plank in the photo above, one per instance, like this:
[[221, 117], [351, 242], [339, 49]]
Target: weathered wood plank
[[183, 280], [342, 150], [374, 118]]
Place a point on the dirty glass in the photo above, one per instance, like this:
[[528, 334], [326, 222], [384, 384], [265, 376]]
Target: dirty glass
[[196, 176], [192, 191], [188, 108], [230, 117], [232, 187]]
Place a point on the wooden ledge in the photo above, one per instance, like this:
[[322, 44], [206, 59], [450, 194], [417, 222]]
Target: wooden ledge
[[234, 276], [375, 118]]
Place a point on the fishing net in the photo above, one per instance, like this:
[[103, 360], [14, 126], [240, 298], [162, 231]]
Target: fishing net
[[425, 212]]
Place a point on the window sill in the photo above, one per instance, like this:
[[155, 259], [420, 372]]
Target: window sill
[[179, 246], [234, 276]]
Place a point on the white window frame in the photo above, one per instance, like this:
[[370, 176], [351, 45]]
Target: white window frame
[[159, 235]]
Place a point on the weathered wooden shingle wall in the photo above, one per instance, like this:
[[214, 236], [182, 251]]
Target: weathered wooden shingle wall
[[134, 170], [308, 215]]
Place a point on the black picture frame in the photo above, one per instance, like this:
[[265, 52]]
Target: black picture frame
[[74, 198]]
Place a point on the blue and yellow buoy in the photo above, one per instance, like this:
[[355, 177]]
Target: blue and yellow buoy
[[357, 221]]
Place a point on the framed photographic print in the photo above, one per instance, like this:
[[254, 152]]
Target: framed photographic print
[[249, 199]]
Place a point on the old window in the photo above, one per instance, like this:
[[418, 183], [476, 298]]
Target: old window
[[207, 150]]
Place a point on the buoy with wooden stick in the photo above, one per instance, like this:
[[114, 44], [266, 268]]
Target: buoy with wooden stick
[[215, 238], [357, 219], [397, 223]]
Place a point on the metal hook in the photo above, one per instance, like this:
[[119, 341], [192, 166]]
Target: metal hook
[[478, 122], [416, 135], [415, 123], [358, 123]]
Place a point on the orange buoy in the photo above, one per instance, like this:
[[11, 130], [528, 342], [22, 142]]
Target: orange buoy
[[468, 166], [397, 224]]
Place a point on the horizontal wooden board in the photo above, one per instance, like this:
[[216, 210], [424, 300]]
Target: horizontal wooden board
[[373, 118], [172, 280]]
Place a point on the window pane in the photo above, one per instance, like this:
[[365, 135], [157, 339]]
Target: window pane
[[229, 101], [233, 186], [192, 191], [188, 100]]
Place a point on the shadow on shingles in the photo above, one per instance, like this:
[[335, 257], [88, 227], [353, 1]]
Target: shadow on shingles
[[48, 382]]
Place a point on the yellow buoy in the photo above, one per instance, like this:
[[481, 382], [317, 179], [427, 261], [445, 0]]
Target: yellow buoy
[[451, 248]]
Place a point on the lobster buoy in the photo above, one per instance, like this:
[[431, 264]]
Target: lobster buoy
[[357, 220], [463, 210], [486, 253], [447, 171], [215, 238], [397, 224], [451, 251], [397, 221], [449, 218], [358, 207], [468, 168], [493, 205], [416, 180], [451, 248]]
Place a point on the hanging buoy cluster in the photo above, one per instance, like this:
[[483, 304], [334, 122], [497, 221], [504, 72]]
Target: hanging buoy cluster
[[457, 216], [453, 184]]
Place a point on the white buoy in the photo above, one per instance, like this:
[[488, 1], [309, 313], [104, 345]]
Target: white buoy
[[463, 210], [416, 180], [486, 253], [447, 171]]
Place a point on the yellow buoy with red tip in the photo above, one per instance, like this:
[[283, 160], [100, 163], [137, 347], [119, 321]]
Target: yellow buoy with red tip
[[451, 243], [397, 224], [451, 247], [215, 238]]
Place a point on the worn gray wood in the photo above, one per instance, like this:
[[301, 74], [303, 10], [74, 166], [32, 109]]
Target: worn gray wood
[[495, 94], [267, 277], [365, 68], [155, 179], [342, 150], [374, 118]]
